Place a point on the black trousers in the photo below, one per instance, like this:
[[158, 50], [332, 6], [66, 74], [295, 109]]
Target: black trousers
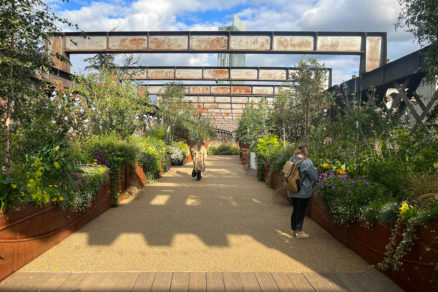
[[198, 174], [298, 214]]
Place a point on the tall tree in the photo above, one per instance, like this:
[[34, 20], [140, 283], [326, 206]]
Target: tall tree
[[310, 97], [173, 111], [420, 17], [25, 28]]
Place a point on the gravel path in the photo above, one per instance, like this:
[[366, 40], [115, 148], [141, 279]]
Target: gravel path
[[226, 222]]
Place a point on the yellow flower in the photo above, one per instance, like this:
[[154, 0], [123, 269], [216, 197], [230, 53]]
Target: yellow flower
[[56, 186], [61, 198], [325, 165], [57, 148], [50, 186], [45, 193], [54, 200], [404, 207], [340, 171], [56, 164], [94, 163], [101, 170]]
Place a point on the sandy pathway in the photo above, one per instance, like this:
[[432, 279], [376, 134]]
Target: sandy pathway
[[226, 222]]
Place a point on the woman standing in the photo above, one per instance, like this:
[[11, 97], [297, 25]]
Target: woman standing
[[199, 159], [300, 199]]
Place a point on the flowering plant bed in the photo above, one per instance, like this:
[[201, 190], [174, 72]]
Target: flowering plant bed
[[417, 272], [30, 231], [27, 233]]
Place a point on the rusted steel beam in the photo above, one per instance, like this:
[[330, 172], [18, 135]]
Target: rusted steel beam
[[219, 90], [371, 46], [273, 74]]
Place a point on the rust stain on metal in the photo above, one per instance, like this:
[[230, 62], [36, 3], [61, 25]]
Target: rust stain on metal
[[373, 53], [199, 89], [161, 74], [250, 43], [243, 74], [195, 74], [263, 90], [142, 91], [272, 74], [220, 89], [339, 44], [240, 89], [127, 43], [216, 74], [293, 43], [199, 106], [208, 43], [168, 43]]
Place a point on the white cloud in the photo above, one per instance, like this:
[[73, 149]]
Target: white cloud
[[275, 15]]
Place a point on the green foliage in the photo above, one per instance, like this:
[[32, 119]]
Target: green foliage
[[419, 17], [174, 113], [349, 200], [201, 128], [253, 122], [114, 153], [152, 151], [224, 149], [113, 106], [309, 97], [26, 26], [179, 153]]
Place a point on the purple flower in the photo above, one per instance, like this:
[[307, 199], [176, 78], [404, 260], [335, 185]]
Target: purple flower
[[396, 146], [376, 146], [333, 188]]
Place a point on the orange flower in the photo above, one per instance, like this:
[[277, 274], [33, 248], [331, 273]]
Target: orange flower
[[325, 165]]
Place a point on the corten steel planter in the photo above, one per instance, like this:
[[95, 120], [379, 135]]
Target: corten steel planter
[[140, 176], [418, 264], [319, 213], [27, 233], [243, 154]]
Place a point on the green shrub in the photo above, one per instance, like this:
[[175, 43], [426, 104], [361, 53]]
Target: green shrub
[[184, 149], [224, 149], [114, 153], [176, 155], [152, 152], [346, 199]]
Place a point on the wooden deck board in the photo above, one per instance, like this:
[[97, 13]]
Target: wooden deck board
[[72, 282], [197, 281], [180, 282], [215, 282], [351, 282], [144, 281], [317, 281], [232, 282], [283, 282], [126, 282], [249, 282], [334, 282], [266, 282], [162, 281], [300, 282]]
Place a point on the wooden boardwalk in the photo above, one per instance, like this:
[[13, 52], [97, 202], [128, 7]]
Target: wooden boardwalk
[[196, 281]]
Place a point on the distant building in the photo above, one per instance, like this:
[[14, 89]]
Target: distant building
[[232, 60]]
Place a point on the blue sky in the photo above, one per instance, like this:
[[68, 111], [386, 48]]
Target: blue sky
[[273, 15]]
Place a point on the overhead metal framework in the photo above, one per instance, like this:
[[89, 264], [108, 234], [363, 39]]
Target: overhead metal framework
[[406, 77], [370, 46], [220, 90], [272, 74]]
